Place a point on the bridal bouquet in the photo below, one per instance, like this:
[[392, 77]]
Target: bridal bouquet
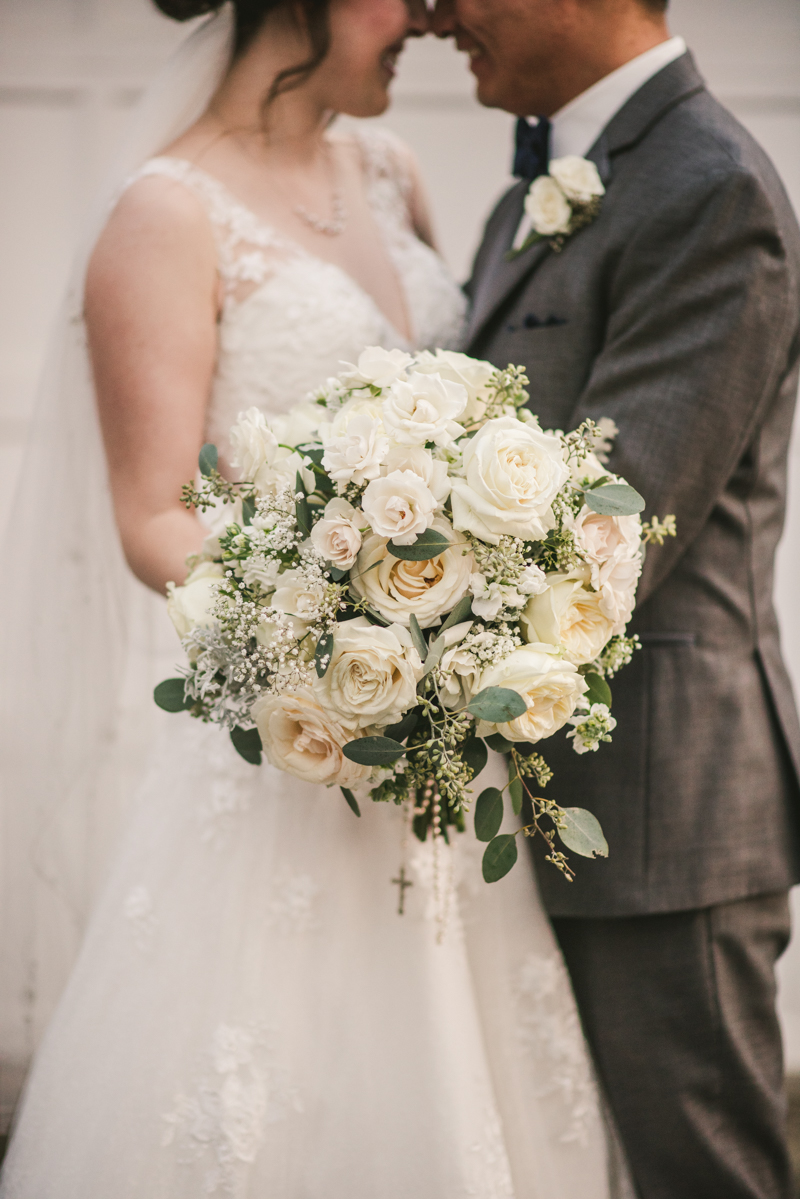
[[408, 569]]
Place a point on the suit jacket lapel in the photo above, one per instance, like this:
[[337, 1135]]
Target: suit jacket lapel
[[634, 120]]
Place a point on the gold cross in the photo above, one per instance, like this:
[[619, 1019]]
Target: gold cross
[[403, 883]]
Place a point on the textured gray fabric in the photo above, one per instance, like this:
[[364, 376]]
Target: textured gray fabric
[[679, 1010], [677, 314]]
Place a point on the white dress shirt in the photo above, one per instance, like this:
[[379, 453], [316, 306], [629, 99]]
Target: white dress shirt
[[577, 126]]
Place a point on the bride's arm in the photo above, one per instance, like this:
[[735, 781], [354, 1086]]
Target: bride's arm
[[152, 301]]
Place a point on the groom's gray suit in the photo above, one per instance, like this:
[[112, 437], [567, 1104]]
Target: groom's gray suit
[[677, 314]]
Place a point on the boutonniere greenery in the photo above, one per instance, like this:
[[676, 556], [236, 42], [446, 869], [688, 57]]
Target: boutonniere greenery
[[561, 202]]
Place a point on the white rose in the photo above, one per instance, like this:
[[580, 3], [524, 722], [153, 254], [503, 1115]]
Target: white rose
[[605, 540], [549, 209], [302, 738], [424, 409], [298, 425], [396, 588], [253, 443], [422, 463], [569, 615], [378, 367], [293, 595], [589, 467], [372, 676], [399, 506], [577, 177], [337, 536], [192, 605], [618, 591], [551, 687], [513, 472], [355, 443], [473, 374]]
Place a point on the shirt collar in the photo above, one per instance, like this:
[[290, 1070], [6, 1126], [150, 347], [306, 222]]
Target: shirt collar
[[577, 126]]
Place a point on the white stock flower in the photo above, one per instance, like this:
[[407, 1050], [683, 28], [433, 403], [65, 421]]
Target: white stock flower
[[399, 506], [372, 676], [590, 728], [473, 374], [566, 614], [513, 472], [551, 687], [396, 588], [355, 443], [424, 409], [379, 367], [192, 605], [577, 177], [549, 209], [490, 598], [302, 738], [337, 536], [422, 462]]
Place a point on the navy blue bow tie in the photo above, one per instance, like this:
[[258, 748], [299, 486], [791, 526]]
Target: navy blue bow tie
[[532, 152]]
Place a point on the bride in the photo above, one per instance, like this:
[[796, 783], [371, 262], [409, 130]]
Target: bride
[[250, 1015]]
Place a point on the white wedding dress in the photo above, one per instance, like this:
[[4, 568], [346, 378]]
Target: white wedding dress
[[250, 1017]]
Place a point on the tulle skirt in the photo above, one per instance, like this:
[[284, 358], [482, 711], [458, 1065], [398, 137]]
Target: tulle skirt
[[251, 1017]]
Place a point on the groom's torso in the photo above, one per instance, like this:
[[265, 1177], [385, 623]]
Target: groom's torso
[[697, 793]]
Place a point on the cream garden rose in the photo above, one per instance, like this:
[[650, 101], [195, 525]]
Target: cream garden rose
[[512, 474], [549, 210], [337, 537], [551, 687], [422, 462], [192, 605], [355, 443], [300, 736], [260, 458], [396, 588], [577, 177], [399, 506], [377, 367], [372, 675], [473, 374], [424, 408], [568, 614], [606, 540]]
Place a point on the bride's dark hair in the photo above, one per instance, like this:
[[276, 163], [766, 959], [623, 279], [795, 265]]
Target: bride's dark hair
[[250, 16]]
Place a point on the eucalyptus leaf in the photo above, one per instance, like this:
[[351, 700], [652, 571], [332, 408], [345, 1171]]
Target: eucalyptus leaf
[[302, 511], [352, 801], [323, 651], [475, 754], [375, 617], [497, 705], [461, 612], [429, 544], [171, 696], [405, 727], [614, 499], [248, 510], [515, 788], [434, 657], [499, 743], [373, 751], [500, 856], [336, 574], [488, 814], [583, 834], [599, 691], [208, 459], [247, 744], [418, 637]]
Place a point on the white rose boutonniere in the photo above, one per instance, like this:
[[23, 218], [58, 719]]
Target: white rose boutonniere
[[562, 202]]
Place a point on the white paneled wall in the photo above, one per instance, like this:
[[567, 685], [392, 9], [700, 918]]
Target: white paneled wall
[[70, 71]]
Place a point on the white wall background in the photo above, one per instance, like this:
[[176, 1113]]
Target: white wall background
[[71, 70]]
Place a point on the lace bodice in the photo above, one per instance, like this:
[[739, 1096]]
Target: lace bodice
[[289, 318]]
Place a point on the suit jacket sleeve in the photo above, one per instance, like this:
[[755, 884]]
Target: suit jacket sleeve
[[700, 318]]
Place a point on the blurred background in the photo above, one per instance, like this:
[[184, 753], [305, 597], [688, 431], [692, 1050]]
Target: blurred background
[[72, 70]]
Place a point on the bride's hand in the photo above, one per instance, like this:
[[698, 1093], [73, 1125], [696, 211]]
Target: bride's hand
[[152, 302]]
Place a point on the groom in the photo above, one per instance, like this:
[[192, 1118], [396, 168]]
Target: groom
[[676, 313]]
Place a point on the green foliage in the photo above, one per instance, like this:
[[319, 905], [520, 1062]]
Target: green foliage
[[404, 728], [248, 510], [302, 510], [488, 813], [322, 655], [475, 754], [247, 744], [501, 854], [497, 705], [351, 799], [582, 833], [208, 459], [614, 499], [515, 789], [499, 743], [418, 637], [461, 612], [373, 751], [599, 691], [428, 545], [170, 695]]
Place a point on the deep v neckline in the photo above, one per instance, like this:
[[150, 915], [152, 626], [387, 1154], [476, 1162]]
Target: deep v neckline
[[283, 241]]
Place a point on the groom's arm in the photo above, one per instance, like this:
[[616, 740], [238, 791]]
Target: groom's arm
[[702, 320]]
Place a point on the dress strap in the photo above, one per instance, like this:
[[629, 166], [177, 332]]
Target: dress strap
[[388, 178]]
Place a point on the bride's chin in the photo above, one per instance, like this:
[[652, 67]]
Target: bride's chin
[[373, 102]]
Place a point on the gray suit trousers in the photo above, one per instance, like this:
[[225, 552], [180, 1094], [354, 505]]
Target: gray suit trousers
[[679, 1011]]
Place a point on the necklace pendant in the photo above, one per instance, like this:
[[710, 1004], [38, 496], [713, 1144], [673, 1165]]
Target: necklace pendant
[[331, 228]]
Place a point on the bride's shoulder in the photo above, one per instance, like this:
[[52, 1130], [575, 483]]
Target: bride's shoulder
[[381, 152]]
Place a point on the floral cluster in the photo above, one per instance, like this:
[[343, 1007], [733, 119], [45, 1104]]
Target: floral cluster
[[406, 570], [563, 201]]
